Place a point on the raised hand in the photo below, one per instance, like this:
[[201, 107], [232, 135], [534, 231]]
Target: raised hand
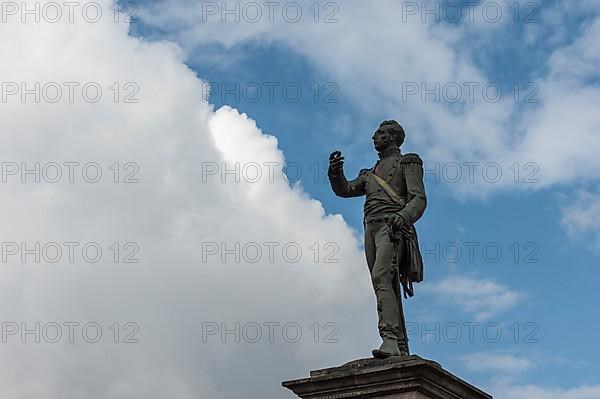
[[336, 162]]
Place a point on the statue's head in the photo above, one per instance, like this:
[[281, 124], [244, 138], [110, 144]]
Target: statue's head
[[389, 135]]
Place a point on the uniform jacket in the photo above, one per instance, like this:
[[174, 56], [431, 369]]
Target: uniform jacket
[[403, 172]]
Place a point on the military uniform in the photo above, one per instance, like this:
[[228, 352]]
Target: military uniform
[[404, 173]]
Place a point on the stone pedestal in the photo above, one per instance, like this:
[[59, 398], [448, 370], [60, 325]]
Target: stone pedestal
[[408, 377]]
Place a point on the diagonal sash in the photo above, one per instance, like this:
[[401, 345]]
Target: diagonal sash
[[389, 190]]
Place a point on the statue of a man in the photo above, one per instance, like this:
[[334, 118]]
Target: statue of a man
[[395, 200]]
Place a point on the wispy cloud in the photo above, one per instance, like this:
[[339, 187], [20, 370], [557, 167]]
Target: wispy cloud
[[505, 363], [483, 298], [583, 214], [538, 392]]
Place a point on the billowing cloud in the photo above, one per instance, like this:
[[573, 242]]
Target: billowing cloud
[[228, 286]]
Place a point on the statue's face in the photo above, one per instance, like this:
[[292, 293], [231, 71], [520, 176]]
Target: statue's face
[[383, 139]]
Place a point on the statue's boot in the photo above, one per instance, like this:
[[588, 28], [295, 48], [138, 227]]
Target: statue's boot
[[403, 347], [389, 347]]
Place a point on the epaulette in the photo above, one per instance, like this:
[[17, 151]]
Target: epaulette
[[411, 158]]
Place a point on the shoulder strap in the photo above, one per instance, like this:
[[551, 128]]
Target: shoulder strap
[[388, 189]]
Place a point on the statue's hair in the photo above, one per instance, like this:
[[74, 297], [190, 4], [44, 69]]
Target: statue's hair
[[397, 130]]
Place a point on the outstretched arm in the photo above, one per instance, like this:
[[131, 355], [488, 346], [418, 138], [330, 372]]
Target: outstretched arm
[[340, 186]]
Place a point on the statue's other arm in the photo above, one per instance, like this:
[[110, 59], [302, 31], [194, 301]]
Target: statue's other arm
[[417, 200]]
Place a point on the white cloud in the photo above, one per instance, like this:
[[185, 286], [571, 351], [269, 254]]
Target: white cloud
[[483, 298], [172, 135], [495, 362], [538, 392], [583, 214], [506, 369]]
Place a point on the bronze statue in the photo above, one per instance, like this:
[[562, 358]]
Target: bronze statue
[[395, 200]]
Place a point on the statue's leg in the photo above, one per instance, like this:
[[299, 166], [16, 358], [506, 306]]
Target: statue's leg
[[369, 247], [382, 277], [371, 255], [402, 336]]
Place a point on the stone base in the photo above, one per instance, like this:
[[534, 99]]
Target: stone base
[[407, 377]]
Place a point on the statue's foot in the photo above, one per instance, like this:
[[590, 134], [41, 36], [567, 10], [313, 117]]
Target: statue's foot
[[403, 348], [388, 348]]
